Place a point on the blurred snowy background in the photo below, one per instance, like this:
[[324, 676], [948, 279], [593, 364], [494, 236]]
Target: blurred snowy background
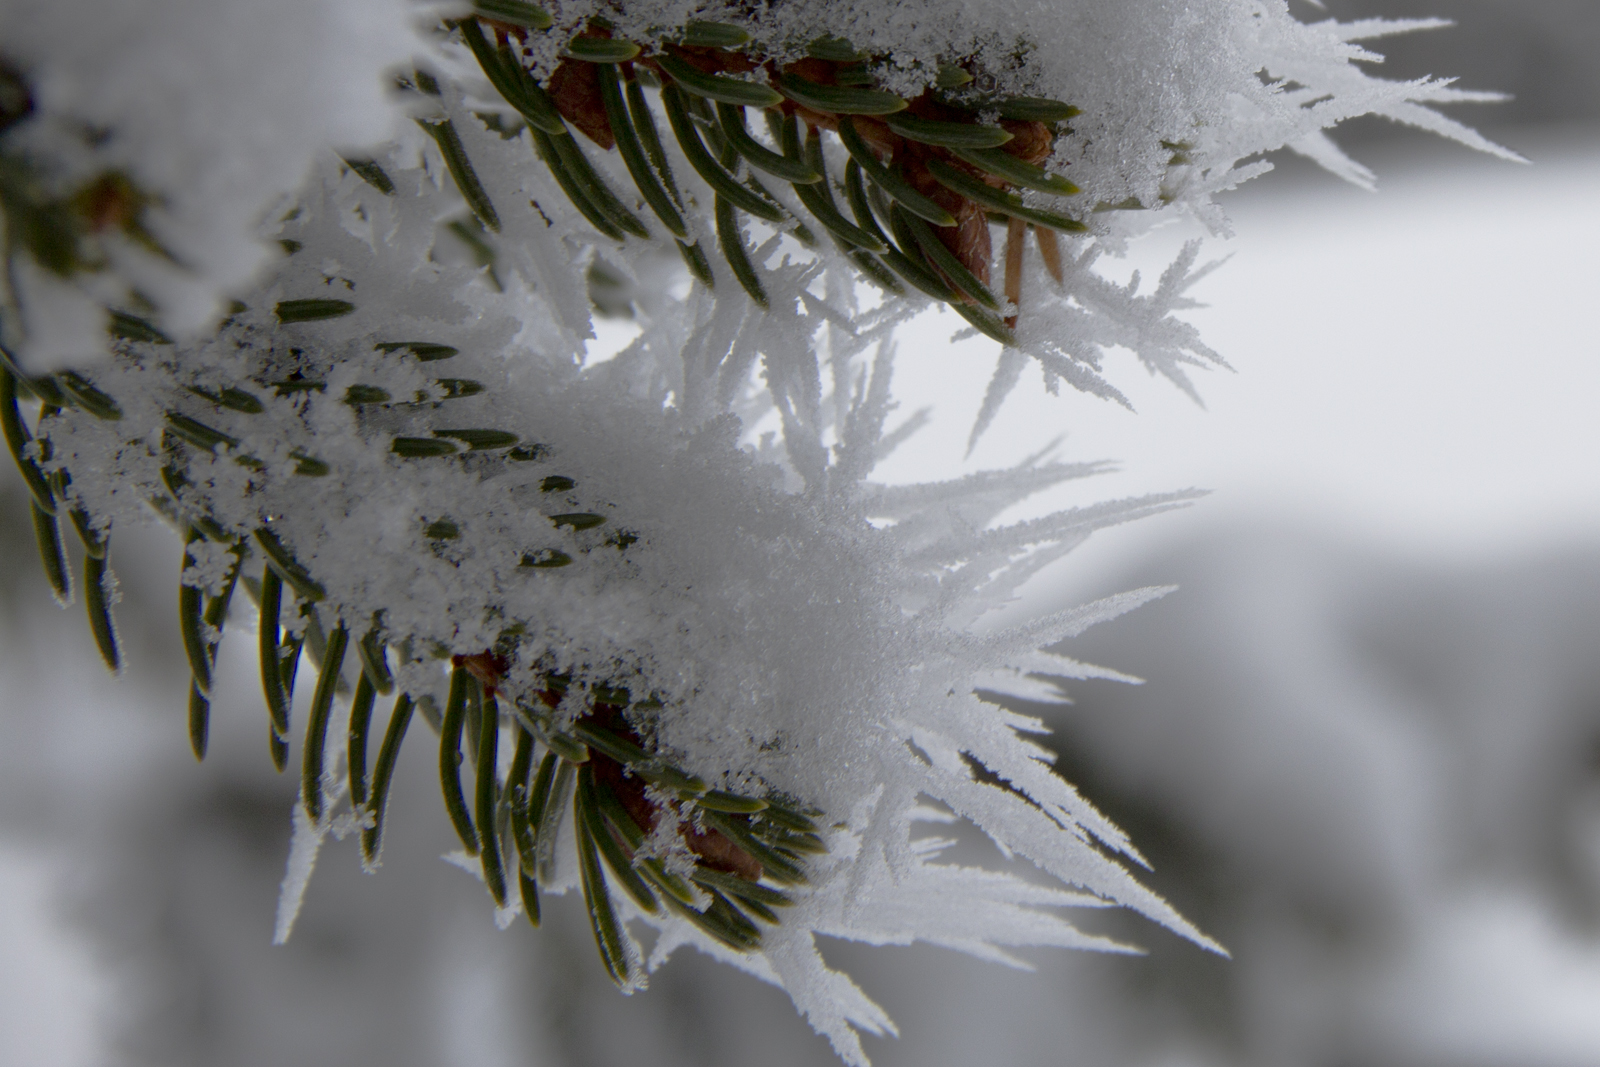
[[1367, 757]]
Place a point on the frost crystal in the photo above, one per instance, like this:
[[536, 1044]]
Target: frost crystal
[[794, 647], [693, 660]]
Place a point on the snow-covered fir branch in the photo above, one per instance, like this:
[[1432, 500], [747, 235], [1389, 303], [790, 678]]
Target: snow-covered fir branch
[[714, 678], [793, 646]]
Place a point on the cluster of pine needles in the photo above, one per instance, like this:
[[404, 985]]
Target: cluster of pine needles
[[924, 178]]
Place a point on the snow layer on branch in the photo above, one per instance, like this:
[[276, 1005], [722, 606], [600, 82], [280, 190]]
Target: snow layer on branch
[[216, 109], [795, 645]]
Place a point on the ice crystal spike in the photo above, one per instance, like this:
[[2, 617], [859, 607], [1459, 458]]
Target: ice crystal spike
[[721, 853]]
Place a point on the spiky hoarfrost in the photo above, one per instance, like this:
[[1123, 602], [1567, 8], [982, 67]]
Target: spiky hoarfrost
[[808, 634], [795, 644], [1179, 101], [213, 116]]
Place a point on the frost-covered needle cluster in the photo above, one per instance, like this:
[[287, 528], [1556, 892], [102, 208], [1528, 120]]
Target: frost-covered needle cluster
[[714, 677]]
